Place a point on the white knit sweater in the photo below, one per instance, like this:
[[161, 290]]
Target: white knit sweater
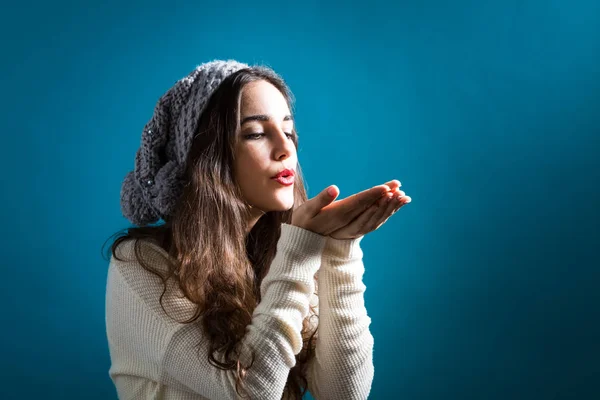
[[156, 357]]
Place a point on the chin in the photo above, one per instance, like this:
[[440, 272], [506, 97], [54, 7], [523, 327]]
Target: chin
[[279, 205], [283, 207]]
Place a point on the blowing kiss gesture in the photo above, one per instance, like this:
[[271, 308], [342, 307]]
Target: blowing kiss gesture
[[352, 217]]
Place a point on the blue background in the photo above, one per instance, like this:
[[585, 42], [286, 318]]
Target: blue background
[[486, 286]]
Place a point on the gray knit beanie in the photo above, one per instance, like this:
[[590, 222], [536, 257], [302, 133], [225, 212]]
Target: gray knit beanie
[[151, 190]]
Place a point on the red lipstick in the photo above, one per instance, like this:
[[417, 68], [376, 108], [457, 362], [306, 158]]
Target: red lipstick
[[285, 177]]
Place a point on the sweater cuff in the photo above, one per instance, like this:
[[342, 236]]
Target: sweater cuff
[[300, 241], [343, 249]]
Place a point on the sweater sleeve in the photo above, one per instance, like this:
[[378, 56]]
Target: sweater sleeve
[[343, 364], [274, 334]]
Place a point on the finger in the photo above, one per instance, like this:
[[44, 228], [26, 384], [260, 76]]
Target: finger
[[359, 202], [401, 201], [323, 199], [393, 184], [396, 193], [340, 213], [397, 203], [382, 212], [378, 220], [366, 197], [357, 225]]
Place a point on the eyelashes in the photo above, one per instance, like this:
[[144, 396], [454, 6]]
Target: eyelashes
[[256, 136]]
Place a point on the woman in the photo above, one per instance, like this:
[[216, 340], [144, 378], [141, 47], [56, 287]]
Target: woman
[[220, 300]]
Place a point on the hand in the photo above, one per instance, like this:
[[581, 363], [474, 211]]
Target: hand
[[376, 215], [322, 215]]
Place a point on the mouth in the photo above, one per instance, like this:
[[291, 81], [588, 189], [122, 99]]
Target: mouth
[[285, 180], [285, 177], [286, 173]]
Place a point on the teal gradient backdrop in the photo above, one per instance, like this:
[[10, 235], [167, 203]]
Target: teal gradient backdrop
[[485, 287]]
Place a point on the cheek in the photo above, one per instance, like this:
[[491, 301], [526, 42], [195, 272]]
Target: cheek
[[249, 168]]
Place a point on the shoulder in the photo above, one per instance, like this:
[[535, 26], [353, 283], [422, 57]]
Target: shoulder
[[126, 273], [150, 251]]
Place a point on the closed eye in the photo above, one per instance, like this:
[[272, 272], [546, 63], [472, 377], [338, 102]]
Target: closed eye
[[256, 136]]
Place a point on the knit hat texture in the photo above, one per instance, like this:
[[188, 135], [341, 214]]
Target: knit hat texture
[[151, 190]]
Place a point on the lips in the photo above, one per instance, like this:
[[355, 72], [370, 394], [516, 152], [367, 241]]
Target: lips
[[286, 173], [285, 177], [285, 180]]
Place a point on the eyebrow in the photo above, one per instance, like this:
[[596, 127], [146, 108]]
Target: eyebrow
[[262, 117]]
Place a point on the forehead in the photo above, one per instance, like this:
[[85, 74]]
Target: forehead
[[261, 97]]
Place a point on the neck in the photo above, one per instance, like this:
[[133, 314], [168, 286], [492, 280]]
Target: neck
[[255, 215]]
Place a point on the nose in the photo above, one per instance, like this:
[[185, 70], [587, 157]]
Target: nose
[[283, 147]]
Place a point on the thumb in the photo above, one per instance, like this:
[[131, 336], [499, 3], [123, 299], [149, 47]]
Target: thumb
[[324, 198]]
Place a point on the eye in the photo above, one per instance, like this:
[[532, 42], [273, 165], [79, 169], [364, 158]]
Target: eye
[[254, 136]]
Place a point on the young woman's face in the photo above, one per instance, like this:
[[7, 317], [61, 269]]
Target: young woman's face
[[264, 147]]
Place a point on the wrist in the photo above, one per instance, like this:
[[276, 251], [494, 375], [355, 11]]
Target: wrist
[[343, 249]]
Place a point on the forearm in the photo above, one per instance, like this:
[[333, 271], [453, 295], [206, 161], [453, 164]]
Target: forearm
[[343, 364]]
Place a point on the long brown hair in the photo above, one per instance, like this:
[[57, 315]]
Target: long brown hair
[[215, 262]]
